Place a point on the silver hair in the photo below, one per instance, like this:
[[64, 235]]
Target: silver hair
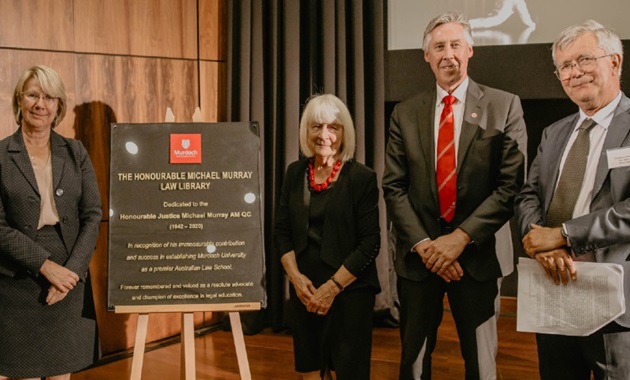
[[607, 39], [446, 18], [328, 109]]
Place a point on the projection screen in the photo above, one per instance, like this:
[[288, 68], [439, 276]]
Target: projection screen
[[504, 22]]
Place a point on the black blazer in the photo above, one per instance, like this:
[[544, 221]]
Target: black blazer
[[76, 196], [351, 231]]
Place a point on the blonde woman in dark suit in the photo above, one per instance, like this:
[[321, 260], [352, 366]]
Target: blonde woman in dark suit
[[50, 210], [327, 233]]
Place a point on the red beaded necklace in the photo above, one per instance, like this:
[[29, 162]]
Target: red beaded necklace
[[328, 181]]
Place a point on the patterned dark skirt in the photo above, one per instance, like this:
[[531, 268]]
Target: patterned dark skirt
[[38, 340]]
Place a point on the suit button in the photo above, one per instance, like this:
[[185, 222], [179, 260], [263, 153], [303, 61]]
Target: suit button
[[59, 192]]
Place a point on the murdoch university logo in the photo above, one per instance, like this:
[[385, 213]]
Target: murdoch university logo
[[186, 148]]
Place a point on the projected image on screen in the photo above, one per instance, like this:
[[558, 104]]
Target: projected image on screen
[[504, 22], [489, 29]]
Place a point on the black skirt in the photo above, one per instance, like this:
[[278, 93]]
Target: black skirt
[[340, 341], [38, 340]]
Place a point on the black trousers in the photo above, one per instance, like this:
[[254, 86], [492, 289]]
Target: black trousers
[[605, 354], [474, 305]]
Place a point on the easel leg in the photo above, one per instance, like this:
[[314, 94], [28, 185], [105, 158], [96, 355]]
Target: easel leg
[[138, 348], [188, 347], [239, 344]]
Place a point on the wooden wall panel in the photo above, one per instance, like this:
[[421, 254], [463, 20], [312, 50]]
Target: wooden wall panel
[[128, 90], [212, 88], [158, 28], [212, 30], [13, 64], [139, 89], [36, 24]]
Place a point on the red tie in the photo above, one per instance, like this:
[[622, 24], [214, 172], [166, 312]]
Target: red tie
[[446, 174]]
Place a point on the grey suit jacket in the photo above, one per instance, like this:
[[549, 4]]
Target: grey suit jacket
[[77, 200], [606, 229], [490, 171]]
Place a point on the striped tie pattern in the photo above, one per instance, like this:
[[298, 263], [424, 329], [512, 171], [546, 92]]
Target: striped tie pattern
[[446, 174]]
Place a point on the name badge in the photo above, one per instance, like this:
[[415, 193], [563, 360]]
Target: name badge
[[618, 158]]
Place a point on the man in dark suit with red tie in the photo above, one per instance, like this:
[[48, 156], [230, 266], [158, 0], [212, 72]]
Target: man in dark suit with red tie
[[455, 161], [576, 202]]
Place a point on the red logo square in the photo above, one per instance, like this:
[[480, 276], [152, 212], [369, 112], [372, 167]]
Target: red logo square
[[186, 148]]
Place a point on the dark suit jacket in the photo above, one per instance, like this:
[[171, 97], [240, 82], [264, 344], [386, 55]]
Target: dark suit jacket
[[606, 229], [76, 197], [490, 171], [351, 232]]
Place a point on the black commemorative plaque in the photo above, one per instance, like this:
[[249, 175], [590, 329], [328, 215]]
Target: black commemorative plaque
[[185, 223]]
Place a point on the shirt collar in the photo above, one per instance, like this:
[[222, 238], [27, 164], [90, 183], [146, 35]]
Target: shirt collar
[[459, 93], [604, 116]]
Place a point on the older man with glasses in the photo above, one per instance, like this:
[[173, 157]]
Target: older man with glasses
[[575, 204]]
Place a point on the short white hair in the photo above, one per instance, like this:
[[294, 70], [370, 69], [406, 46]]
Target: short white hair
[[607, 39], [328, 109]]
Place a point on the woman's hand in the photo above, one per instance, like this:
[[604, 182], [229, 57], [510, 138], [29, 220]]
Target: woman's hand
[[323, 298], [59, 276], [304, 288], [55, 295]]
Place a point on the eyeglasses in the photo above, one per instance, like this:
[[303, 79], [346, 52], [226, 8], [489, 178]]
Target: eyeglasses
[[585, 64], [33, 97]]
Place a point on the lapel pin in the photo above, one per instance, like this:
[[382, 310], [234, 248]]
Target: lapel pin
[[474, 114]]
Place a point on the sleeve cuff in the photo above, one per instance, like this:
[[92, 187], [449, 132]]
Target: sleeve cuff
[[413, 248], [565, 234]]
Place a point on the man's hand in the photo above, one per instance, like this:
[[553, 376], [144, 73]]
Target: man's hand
[[443, 251], [558, 264], [427, 250], [543, 239]]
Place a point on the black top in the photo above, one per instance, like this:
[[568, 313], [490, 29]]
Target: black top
[[339, 226]]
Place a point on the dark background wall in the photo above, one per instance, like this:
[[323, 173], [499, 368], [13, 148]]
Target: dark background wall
[[525, 70]]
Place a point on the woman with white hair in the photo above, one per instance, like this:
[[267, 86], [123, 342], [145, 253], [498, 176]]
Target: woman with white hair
[[327, 233]]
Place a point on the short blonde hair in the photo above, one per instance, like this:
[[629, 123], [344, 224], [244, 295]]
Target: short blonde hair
[[51, 84], [328, 109]]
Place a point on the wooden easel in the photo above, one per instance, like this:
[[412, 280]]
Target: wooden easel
[[187, 366]]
